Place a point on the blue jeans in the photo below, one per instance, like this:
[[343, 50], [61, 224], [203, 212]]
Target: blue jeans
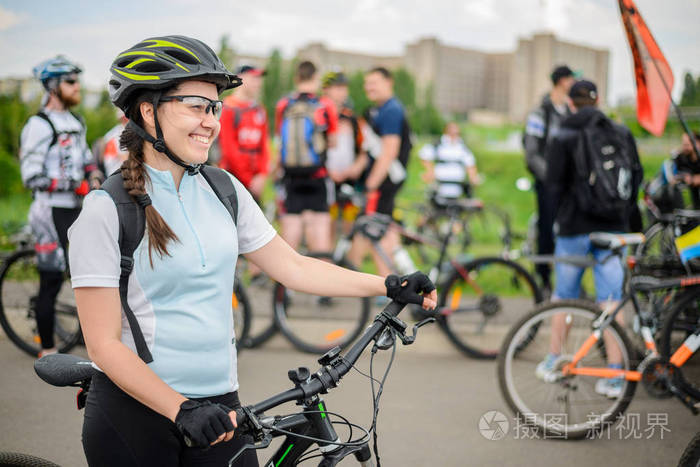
[[608, 275]]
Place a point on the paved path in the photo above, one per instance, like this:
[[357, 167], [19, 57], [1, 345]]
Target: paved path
[[429, 416]]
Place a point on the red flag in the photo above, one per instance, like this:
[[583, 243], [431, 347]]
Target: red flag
[[652, 72]]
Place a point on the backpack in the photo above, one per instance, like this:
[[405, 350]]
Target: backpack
[[132, 226], [603, 182], [54, 139], [302, 140]]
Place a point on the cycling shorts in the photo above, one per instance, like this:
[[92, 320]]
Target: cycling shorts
[[120, 431], [307, 194]]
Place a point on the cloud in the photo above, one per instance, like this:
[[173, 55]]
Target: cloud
[[372, 26], [9, 19]]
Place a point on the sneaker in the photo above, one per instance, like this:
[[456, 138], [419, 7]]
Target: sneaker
[[545, 369], [610, 388]]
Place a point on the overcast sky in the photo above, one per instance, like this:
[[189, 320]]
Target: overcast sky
[[92, 33]]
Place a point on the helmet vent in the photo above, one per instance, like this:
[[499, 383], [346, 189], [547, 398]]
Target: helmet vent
[[182, 56], [151, 67]]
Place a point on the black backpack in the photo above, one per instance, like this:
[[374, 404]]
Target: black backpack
[[132, 225], [604, 170]]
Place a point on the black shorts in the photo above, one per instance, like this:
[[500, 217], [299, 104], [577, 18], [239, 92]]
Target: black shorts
[[120, 431], [387, 197], [308, 194]]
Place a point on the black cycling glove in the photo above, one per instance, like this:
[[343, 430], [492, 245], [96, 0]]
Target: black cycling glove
[[201, 423], [407, 289]]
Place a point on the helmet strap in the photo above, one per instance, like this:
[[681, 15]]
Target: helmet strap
[[159, 143]]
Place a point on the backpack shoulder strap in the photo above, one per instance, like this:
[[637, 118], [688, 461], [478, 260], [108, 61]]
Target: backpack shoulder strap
[[42, 115], [132, 225], [237, 114], [79, 118], [221, 184]]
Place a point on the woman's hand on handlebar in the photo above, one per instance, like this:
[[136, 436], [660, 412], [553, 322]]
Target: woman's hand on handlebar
[[414, 288], [204, 423]]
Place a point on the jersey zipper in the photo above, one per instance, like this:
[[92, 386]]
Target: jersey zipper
[[194, 232]]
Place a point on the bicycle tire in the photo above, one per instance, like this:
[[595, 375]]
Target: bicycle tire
[[17, 459], [463, 316], [659, 241], [691, 454], [17, 299], [303, 318], [582, 419], [683, 319], [262, 327], [240, 304]]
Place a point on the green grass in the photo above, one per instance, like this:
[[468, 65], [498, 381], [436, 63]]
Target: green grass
[[13, 215]]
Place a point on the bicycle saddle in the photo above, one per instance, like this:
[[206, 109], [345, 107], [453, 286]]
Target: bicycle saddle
[[63, 369], [460, 204], [611, 241]]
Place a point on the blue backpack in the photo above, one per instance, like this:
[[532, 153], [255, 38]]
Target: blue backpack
[[302, 141]]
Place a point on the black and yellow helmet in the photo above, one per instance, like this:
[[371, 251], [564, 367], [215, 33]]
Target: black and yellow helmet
[[157, 62], [333, 78]]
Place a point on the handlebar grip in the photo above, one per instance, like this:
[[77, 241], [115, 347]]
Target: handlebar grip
[[242, 421]]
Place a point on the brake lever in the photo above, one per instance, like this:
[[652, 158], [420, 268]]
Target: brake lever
[[408, 340], [265, 442]]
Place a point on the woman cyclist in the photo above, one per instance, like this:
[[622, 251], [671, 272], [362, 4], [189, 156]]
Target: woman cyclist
[[180, 287]]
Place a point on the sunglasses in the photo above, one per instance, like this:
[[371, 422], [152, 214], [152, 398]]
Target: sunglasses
[[70, 81], [198, 105]]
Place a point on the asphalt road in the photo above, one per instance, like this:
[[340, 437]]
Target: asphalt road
[[430, 412]]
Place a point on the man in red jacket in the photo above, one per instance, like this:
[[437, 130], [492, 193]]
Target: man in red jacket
[[243, 139]]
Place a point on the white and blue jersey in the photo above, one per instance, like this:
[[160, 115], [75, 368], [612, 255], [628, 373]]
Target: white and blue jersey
[[183, 302]]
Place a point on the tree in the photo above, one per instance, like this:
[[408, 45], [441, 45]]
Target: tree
[[226, 53], [273, 85], [356, 89], [405, 89], [690, 94]]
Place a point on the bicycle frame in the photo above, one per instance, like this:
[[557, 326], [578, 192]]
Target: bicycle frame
[[680, 356], [312, 422]]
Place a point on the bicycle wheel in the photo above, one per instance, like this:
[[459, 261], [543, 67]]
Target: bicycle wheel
[[691, 455], [659, 241], [241, 314], [568, 406], [682, 322], [316, 324], [16, 459], [435, 227], [259, 288], [19, 288], [489, 230], [479, 301]]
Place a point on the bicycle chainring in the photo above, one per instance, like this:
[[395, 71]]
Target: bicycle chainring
[[657, 375]]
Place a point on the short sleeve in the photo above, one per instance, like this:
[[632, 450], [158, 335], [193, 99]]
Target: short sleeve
[[427, 152], [468, 157], [390, 121], [93, 249], [254, 231]]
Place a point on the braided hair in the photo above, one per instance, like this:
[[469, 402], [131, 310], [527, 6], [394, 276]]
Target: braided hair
[[134, 174]]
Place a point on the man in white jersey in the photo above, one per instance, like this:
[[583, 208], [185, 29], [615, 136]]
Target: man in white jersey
[[451, 164], [58, 167]]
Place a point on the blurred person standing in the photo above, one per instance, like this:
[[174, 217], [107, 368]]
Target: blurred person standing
[[57, 165], [243, 140], [389, 146], [306, 125], [590, 154], [542, 123], [112, 156], [347, 160], [450, 163]]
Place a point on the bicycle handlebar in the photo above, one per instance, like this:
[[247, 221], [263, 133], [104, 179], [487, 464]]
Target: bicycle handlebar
[[326, 377]]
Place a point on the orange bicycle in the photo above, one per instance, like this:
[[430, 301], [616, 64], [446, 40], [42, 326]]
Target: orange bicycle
[[568, 401]]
